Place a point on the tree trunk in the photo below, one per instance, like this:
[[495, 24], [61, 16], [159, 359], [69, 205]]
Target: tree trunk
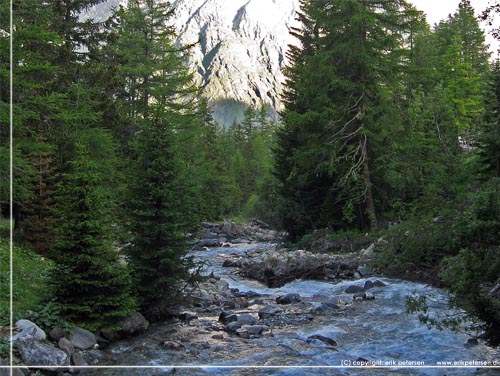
[[370, 206]]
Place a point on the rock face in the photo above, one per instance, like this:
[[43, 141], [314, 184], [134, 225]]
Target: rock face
[[240, 51]]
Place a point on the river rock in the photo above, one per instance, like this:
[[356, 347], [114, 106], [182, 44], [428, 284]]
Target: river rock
[[471, 342], [369, 296], [230, 263], [15, 372], [253, 330], [188, 316], [240, 302], [246, 319], [378, 283], [209, 243], [288, 299], [37, 353], [172, 345], [326, 307], [233, 326], [56, 334], [227, 317], [134, 324], [251, 294], [354, 289], [66, 346], [28, 329], [359, 296], [77, 359], [325, 340], [269, 311], [243, 333], [209, 235], [240, 241], [82, 339], [102, 341]]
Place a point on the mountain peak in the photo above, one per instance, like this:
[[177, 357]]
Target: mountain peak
[[239, 50]]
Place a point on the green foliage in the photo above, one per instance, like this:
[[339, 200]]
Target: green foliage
[[471, 274], [489, 131], [31, 274], [38, 219], [91, 288], [461, 250]]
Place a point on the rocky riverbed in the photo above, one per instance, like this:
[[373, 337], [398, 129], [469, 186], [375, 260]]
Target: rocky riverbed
[[316, 311]]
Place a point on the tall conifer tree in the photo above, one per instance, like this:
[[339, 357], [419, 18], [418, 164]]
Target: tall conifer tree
[[158, 94], [339, 118], [91, 288]]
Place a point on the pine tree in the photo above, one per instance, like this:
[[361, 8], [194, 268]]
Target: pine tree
[[158, 97], [338, 119], [38, 223], [91, 288], [489, 131]]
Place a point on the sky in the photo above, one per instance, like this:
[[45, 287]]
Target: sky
[[436, 10]]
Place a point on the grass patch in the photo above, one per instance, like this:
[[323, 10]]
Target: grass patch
[[31, 290]]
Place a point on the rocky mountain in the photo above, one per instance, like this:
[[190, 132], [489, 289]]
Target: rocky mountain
[[240, 49]]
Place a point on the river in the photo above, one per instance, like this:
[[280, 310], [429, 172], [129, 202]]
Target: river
[[378, 331]]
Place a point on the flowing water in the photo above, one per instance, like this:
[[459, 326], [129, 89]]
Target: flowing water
[[378, 330]]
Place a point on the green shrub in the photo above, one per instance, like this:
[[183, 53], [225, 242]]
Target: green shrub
[[30, 281]]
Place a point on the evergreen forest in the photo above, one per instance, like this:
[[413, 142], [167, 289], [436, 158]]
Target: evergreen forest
[[391, 128]]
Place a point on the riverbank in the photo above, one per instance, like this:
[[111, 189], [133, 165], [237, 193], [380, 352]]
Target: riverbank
[[240, 317]]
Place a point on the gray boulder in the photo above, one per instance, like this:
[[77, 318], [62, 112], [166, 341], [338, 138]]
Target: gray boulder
[[288, 299], [233, 326], [78, 360], [368, 285], [243, 333], [209, 243], [378, 283], [82, 339], [56, 334], [353, 289], [227, 317], [253, 330], [134, 324], [66, 346], [325, 340], [269, 311], [326, 307], [28, 328], [36, 353], [246, 319]]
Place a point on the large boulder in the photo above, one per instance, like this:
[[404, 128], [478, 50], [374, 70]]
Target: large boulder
[[134, 324], [82, 339], [36, 353], [28, 329]]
